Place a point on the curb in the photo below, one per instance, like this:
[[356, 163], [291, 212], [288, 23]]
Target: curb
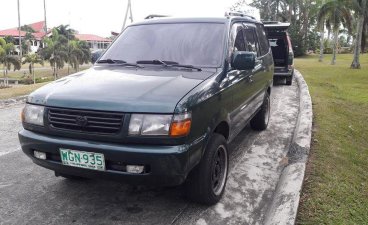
[[284, 206]]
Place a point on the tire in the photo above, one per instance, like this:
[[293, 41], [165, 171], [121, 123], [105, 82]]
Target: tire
[[289, 80], [260, 120], [69, 177], [206, 183], [275, 80]]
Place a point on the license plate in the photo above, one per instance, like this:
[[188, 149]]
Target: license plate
[[87, 160]]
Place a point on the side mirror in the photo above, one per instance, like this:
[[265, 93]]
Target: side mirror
[[243, 60]]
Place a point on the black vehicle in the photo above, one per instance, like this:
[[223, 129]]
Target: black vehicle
[[282, 50], [159, 107]]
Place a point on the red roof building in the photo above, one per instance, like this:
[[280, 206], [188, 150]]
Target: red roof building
[[95, 42]]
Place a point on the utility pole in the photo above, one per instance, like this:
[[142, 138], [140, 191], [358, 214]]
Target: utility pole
[[20, 38], [128, 10], [44, 12]]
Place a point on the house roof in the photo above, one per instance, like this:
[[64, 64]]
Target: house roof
[[38, 26], [12, 32], [91, 37]]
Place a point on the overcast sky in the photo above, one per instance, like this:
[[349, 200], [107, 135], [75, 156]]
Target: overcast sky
[[102, 17]]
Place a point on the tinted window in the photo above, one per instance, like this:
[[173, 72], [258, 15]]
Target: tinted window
[[239, 44], [251, 39], [198, 44], [263, 42]]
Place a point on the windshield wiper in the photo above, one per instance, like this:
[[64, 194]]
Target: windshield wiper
[[167, 64], [118, 61], [156, 62], [186, 66], [111, 61]]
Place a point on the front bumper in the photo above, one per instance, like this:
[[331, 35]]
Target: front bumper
[[165, 165]]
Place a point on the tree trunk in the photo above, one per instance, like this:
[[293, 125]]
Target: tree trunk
[[322, 44], [6, 83], [33, 73], [290, 12], [54, 71], [277, 10], [358, 40], [336, 38], [4, 74]]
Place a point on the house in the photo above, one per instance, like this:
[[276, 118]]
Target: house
[[39, 34], [95, 42]]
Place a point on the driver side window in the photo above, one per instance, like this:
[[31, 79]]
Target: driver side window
[[237, 40]]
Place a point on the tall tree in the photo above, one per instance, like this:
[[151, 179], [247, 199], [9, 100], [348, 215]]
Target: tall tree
[[33, 58], [79, 53], [7, 59], [66, 31], [56, 51], [335, 13], [27, 28], [360, 8]]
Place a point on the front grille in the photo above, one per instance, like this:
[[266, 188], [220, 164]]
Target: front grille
[[85, 121]]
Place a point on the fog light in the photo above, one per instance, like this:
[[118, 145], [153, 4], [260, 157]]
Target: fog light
[[39, 155], [134, 169]]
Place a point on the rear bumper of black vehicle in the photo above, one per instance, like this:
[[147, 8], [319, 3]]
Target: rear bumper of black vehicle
[[284, 71], [164, 165]]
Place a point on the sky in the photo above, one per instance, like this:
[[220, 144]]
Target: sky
[[102, 17]]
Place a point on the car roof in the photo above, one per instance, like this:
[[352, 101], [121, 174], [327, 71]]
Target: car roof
[[224, 20]]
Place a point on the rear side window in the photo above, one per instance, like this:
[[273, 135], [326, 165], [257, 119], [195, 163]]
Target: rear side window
[[263, 42]]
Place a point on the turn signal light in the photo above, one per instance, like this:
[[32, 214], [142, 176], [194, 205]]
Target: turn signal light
[[22, 115], [180, 128]]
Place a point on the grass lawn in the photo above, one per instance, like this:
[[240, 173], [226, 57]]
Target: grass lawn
[[18, 90], [335, 190], [47, 72]]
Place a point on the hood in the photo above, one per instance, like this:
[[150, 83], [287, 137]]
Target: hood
[[120, 89]]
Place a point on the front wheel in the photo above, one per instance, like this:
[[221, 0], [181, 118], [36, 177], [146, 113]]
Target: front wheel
[[261, 119], [206, 183]]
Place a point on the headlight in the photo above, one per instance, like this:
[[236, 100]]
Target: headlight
[[33, 114], [164, 125]]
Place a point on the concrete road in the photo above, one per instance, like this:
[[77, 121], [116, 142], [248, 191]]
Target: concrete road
[[33, 195]]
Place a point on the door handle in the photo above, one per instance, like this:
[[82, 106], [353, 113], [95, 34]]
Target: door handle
[[250, 78]]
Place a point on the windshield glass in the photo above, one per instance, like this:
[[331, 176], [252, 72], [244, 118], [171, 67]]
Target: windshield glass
[[197, 44]]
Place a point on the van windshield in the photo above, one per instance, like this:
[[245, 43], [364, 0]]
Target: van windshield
[[197, 44]]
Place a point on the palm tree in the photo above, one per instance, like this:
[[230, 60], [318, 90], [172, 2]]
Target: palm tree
[[56, 51], [64, 30], [360, 8], [335, 14], [27, 42], [79, 53], [7, 59], [33, 58]]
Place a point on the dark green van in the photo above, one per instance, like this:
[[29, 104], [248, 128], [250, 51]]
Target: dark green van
[[159, 106]]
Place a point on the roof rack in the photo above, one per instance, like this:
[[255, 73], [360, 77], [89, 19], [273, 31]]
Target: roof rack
[[154, 16], [241, 14]]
